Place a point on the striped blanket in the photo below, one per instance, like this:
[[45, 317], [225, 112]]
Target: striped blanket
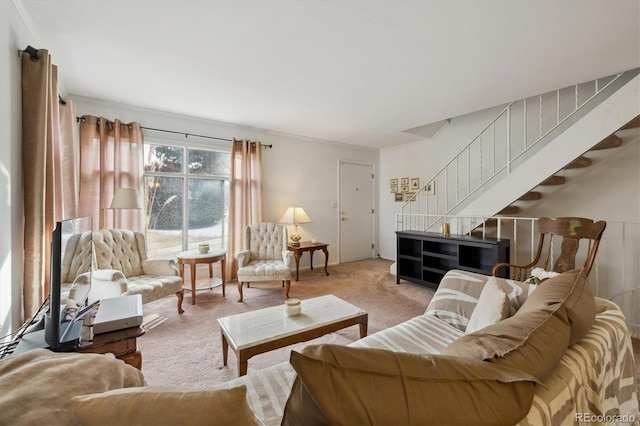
[[594, 382]]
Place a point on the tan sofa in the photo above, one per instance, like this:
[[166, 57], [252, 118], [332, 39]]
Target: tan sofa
[[120, 266], [553, 355]]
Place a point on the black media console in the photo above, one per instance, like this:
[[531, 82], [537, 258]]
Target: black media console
[[424, 257]]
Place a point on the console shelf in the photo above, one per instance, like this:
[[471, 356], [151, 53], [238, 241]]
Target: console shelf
[[424, 257]]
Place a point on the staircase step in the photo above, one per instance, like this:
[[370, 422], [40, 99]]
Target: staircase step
[[510, 210], [554, 180], [632, 124], [611, 142], [578, 163], [531, 196]]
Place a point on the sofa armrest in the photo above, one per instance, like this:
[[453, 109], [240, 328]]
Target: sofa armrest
[[243, 258], [106, 283], [287, 257], [159, 266]]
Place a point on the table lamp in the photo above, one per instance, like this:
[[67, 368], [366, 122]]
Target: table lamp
[[123, 198], [295, 216]]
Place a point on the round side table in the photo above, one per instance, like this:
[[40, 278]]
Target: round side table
[[193, 257]]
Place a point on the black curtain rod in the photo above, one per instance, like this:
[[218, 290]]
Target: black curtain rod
[[78, 119]]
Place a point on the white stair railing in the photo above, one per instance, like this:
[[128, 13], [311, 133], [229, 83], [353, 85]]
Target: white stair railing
[[519, 130]]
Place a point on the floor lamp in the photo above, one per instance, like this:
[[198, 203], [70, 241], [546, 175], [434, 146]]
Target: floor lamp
[[123, 198]]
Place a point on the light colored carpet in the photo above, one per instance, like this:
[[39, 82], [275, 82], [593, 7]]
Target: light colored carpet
[[185, 349]]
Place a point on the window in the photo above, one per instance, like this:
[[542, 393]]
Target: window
[[187, 198]]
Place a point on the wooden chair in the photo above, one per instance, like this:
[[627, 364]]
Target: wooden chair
[[571, 230]]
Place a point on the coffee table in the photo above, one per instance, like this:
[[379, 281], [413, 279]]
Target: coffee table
[[255, 332]]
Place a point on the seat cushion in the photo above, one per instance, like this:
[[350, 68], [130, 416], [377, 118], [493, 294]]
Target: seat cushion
[[261, 270], [153, 287]]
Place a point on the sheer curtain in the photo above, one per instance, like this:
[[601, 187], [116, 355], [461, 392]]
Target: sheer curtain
[[246, 204], [111, 157], [49, 151]]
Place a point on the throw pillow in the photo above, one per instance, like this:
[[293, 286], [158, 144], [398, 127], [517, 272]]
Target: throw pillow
[[159, 405], [533, 342], [456, 297], [348, 385], [572, 290], [493, 306]]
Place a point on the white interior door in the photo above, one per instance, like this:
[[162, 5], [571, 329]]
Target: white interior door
[[356, 212]]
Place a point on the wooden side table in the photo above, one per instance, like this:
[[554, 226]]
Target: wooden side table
[[310, 247], [193, 257], [122, 343]]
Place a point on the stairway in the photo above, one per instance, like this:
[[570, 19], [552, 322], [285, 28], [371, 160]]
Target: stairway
[[517, 169], [519, 206]]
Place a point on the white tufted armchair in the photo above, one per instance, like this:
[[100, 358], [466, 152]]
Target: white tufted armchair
[[121, 266], [264, 256]]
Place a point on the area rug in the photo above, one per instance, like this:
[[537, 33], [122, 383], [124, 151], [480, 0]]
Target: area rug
[[185, 350]]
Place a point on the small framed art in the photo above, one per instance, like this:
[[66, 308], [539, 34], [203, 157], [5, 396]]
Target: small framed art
[[404, 188], [398, 196], [404, 181], [430, 188], [394, 189], [415, 183], [408, 195]]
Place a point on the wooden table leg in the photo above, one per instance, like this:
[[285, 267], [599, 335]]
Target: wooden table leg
[[242, 364], [225, 349], [223, 267], [326, 260], [193, 283], [364, 322], [311, 258], [297, 255]]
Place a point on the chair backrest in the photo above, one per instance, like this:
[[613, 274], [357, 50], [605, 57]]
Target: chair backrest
[[571, 230], [265, 241], [76, 259], [119, 249]]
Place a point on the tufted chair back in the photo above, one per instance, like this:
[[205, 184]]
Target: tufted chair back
[[76, 259], [120, 249], [265, 241]]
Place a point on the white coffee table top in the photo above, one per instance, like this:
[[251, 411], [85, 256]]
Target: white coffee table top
[[263, 325]]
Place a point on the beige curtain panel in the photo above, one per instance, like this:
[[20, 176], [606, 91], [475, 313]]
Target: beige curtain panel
[[246, 205], [50, 191], [111, 157]]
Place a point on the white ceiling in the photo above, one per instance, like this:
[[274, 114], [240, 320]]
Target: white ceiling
[[358, 72]]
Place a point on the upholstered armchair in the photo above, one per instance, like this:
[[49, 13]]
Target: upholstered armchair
[[121, 267], [264, 256]]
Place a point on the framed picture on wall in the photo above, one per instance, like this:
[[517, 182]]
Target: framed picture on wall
[[393, 182], [398, 196], [404, 188], [430, 188], [394, 189], [404, 181], [415, 183], [408, 195]]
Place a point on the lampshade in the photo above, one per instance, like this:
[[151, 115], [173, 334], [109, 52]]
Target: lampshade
[[295, 215], [125, 198]]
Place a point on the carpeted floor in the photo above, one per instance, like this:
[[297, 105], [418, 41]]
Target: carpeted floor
[[185, 349]]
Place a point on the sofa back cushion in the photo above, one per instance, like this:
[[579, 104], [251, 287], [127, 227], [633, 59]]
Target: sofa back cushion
[[119, 249], [347, 385], [572, 291], [457, 296], [532, 342]]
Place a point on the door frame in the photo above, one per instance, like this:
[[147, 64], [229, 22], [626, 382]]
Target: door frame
[[374, 216]]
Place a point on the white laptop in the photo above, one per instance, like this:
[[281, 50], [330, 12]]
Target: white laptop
[[118, 313]]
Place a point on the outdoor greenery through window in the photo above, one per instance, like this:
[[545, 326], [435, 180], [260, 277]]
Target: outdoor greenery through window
[[187, 198]]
